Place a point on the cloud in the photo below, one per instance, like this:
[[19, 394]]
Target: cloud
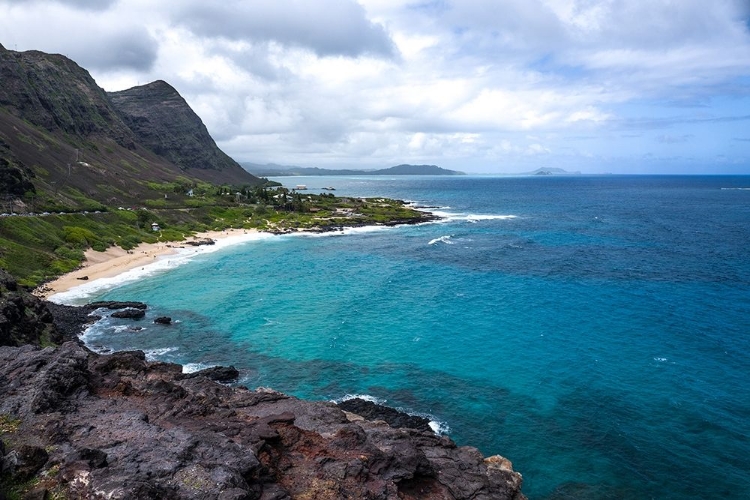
[[96, 5], [134, 50], [327, 27], [106, 42]]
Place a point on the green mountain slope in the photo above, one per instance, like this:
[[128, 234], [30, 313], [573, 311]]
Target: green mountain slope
[[65, 143]]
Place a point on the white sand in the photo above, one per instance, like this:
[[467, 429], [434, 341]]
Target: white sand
[[115, 261]]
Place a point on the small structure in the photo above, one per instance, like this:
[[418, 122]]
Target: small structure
[[155, 226], [190, 193]]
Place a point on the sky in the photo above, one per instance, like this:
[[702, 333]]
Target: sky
[[481, 86]]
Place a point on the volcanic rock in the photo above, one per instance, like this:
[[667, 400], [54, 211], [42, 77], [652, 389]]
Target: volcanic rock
[[217, 373], [394, 417], [23, 318], [129, 313], [122, 427], [114, 304]]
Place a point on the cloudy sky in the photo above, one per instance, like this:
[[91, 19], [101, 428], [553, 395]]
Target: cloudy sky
[[623, 86]]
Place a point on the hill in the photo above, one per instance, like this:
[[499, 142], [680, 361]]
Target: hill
[[66, 143], [273, 170]]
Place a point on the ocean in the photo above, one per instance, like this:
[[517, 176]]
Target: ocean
[[595, 330]]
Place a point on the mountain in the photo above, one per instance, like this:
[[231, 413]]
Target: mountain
[[164, 123], [66, 142], [403, 169]]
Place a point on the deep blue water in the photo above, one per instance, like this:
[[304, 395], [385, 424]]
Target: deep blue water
[[594, 330]]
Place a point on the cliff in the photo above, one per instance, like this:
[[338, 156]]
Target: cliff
[[75, 424], [164, 123], [64, 141]]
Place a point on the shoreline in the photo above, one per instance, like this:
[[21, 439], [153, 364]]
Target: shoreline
[[115, 261]]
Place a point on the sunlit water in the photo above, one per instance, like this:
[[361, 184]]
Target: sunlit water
[[594, 330]]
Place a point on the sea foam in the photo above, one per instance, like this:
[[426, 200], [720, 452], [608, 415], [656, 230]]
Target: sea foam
[[443, 239]]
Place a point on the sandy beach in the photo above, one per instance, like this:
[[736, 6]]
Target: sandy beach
[[115, 261]]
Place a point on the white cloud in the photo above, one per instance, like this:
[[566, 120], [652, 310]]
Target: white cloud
[[78, 4]]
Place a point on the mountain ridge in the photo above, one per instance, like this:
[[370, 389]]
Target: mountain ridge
[[65, 142]]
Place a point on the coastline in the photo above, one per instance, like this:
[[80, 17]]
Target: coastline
[[115, 261]]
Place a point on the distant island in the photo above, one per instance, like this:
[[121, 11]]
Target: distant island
[[550, 171], [273, 170]]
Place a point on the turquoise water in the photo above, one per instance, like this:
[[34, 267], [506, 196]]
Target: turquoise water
[[594, 330]]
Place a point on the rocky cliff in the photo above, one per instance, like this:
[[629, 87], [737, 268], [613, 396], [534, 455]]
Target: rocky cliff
[[23, 318], [164, 123], [76, 424], [53, 92], [63, 137]]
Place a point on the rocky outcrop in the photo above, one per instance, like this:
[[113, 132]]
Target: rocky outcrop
[[217, 373], [116, 304], [395, 418], [129, 313], [117, 426], [165, 123], [23, 318]]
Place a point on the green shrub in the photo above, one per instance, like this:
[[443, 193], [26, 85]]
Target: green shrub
[[79, 236], [69, 253]]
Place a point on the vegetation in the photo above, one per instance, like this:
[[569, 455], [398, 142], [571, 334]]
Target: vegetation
[[8, 424], [41, 247]]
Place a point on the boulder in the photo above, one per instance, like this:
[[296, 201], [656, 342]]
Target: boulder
[[129, 313], [394, 417], [217, 373]]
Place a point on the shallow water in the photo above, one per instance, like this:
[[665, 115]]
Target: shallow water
[[594, 330]]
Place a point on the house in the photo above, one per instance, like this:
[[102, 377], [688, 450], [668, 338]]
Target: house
[[190, 193], [155, 226]]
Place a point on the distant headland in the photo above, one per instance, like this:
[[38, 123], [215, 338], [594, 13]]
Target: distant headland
[[273, 170]]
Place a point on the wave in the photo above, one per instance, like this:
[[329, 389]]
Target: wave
[[471, 218], [195, 367], [366, 397], [477, 218], [339, 232], [439, 427], [443, 239], [154, 354], [735, 189]]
